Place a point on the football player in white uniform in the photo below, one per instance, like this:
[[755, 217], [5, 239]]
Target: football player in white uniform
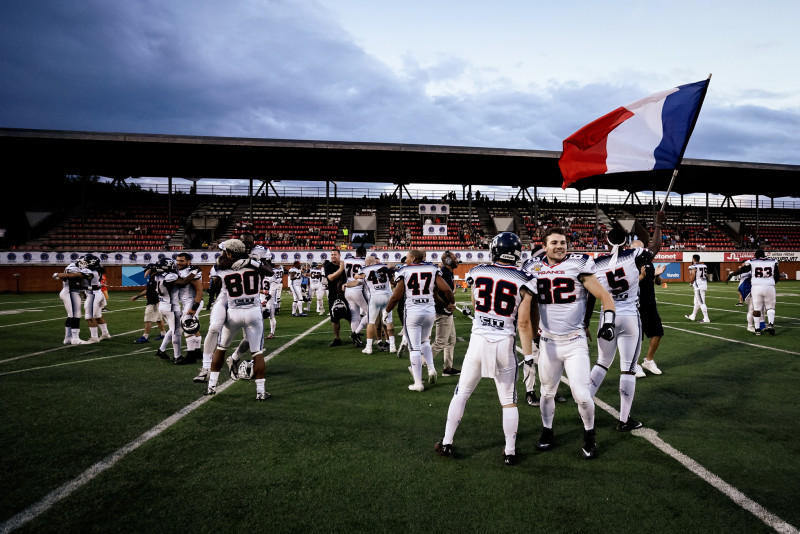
[[268, 306], [421, 282], [73, 278], [190, 294], [698, 276], [295, 284], [276, 287], [169, 305], [502, 300], [376, 278], [317, 276], [354, 296], [563, 282], [95, 301], [764, 274], [618, 273], [217, 313], [241, 282]]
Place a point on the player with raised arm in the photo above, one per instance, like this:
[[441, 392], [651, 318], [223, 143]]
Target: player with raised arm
[[618, 273], [764, 274], [563, 282], [698, 277], [421, 282], [502, 297]]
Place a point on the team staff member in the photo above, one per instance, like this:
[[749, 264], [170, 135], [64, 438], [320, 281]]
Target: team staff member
[[151, 313], [649, 277], [334, 272], [445, 340]]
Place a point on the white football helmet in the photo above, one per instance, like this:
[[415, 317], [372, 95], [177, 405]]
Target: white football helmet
[[190, 324], [246, 370]]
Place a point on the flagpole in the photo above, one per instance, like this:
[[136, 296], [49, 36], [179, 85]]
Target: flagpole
[[683, 149]]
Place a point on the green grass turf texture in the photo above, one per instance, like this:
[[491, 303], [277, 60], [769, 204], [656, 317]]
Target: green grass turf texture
[[344, 446]]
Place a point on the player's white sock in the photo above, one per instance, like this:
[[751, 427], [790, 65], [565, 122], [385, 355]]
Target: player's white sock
[[510, 425], [166, 341], [627, 387], [454, 415], [392, 347], [272, 323], [587, 413], [93, 331], [260, 385], [547, 406], [427, 353], [416, 364], [176, 346], [770, 316], [369, 344], [103, 328], [704, 309], [596, 379], [213, 377]]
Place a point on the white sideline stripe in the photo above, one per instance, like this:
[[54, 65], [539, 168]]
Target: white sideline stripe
[[72, 363], [61, 493], [765, 347], [62, 347], [731, 492], [62, 318]]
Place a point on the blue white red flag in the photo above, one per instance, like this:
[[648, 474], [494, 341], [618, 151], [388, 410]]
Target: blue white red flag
[[651, 133]]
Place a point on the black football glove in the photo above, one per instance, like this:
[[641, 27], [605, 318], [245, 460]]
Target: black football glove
[[607, 329]]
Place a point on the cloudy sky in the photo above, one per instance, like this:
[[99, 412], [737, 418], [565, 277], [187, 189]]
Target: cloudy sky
[[506, 73]]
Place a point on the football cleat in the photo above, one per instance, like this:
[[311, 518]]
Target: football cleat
[[651, 366], [202, 376], [163, 355], [93, 340], [758, 331], [545, 442], [689, 317], [367, 351], [160, 337], [142, 340], [402, 350], [771, 329], [739, 304], [233, 366], [181, 360], [105, 336], [417, 386], [78, 342], [589, 444], [627, 426], [531, 398], [706, 320], [356, 338], [751, 329], [442, 449], [508, 459], [67, 341], [639, 371], [271, 336], [262, 396], [432, 376], [211, 390], [335, 343], [451, 371]]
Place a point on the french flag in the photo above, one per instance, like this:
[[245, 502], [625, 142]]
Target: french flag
[[651, 133]]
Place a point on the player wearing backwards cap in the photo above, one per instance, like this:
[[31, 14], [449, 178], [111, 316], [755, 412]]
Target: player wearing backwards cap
[[502, 297]]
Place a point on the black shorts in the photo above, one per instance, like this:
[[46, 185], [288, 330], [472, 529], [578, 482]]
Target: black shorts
[[651, 321]]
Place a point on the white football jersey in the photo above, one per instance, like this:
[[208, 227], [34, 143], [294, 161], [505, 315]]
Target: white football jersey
[[701, 276], [560, 294], [277, 275], [420, 283], [623, 281], [376, 277], [241, 287], [187, 293], [75, 284], [316, 275], [295, 276], [497, 290], [353, 266], [762, 271], [164, 288]]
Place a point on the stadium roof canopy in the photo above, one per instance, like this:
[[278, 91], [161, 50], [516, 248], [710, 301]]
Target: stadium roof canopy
[[122, 155]]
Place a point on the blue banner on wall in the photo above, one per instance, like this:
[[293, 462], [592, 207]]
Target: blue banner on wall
[[133, 276]]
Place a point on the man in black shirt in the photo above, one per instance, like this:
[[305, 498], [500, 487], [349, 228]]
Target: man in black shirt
[[649, 276], [334, 270]]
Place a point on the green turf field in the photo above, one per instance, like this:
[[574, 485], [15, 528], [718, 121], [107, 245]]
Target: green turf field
[[107, 437]]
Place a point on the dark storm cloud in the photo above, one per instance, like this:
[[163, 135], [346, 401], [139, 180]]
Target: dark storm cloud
[[279, 69]]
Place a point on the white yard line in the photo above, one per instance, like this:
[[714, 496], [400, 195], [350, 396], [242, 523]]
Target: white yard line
[[731, 492], [61, 493], [62, 318], [61, 347]]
